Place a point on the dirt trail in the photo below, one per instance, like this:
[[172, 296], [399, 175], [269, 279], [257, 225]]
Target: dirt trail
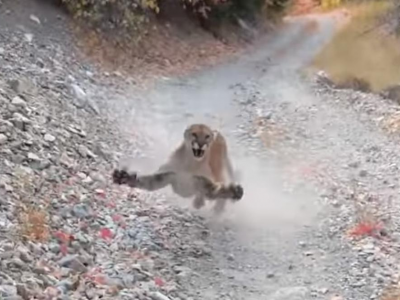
[[276, 243], [284, 240]]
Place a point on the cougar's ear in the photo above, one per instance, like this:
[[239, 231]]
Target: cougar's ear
[[186, 133], [215, 134]]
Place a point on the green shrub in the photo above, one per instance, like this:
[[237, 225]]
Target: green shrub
[[133, 13]]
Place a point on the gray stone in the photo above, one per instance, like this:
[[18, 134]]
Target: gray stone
[[82, 211], [33, 157], [72, 262], [20, 121], [18, 101], [158, 296], [3, 139], [35, 19], [290, 293], [49, 138], [23, 85]]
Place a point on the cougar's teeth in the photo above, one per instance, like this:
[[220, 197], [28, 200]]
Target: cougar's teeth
[[198, 153]]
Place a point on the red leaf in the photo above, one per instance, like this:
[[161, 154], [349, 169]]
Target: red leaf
[[63, 237], [159, 282], [111, 204], [117, 218], [363, 229], [106, 233], [100, 279]]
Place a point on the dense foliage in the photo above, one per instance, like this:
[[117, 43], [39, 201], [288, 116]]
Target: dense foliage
[[132, 13]]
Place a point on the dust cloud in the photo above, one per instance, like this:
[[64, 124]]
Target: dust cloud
[[270, 199]]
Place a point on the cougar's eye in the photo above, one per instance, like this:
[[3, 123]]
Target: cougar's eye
[[207, 137], [194, 135]]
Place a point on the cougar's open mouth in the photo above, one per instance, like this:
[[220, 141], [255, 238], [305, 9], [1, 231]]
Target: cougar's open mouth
[[198, 153]]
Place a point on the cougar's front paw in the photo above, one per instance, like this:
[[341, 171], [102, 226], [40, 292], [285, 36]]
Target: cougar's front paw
[[237, 191], [123, 177]]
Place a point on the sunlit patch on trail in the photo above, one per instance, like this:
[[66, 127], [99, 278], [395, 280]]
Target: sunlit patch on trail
[[269, 133], [311, 26], [392, 123], [392, 292]]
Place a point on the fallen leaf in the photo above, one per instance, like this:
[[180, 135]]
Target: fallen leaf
[[117, 218], [100, 279], [111, 204], [365, 229], [63, 237], [106, 233], [159, 282]]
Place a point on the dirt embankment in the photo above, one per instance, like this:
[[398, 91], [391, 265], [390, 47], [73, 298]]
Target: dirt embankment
[[174, 41]]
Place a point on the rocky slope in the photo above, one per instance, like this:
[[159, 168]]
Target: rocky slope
[[66, 232]]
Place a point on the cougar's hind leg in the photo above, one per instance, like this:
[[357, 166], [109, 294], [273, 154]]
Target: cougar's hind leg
[[219, 206], [199, 201]]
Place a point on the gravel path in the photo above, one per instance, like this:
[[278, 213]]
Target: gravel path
[[308, 161], [311, 160]]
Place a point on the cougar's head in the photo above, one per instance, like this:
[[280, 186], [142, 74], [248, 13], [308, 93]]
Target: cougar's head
[[198, 138]]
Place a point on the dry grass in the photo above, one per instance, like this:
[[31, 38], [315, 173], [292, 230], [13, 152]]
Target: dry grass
[[392, 123], [392, 293], [269, 133], [359, 52], [34, 224]]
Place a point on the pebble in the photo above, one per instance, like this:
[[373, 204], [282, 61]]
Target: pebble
[[3, 139], [158, 296], [35, 19], [81, 211], [72, 262], [18, 101], [49, 138], [290, 293], [23, 85], [20, 121], [33, 157], [85, 152]]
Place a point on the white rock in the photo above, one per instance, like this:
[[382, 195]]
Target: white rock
[[290, 293], [49, 138], [20, 121], [28, 37], [78, 91], [33, 156], [18, 101], [3, 139], [158, 296], [35, 19], [81, 175]]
